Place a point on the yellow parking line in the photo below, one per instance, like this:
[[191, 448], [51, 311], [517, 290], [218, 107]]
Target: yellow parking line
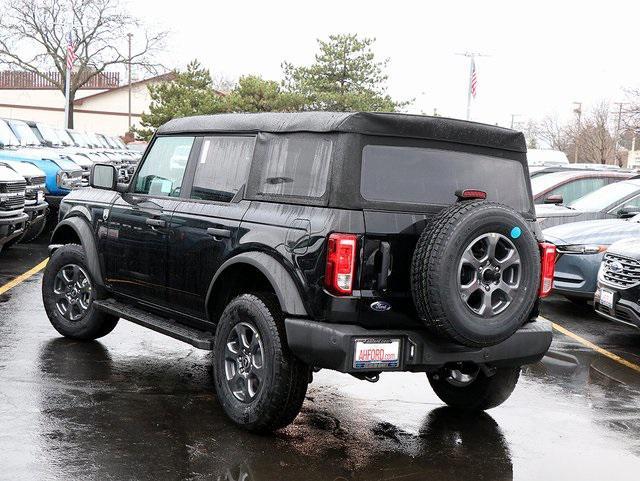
[[23, 277], [596, 348]]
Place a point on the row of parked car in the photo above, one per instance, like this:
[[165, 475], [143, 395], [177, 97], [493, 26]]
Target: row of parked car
[[40, 164], [592, 215]]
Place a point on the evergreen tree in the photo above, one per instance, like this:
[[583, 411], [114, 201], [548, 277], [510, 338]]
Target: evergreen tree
[[344, 77]]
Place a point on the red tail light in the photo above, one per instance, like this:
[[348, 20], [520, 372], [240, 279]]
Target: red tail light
[[468, 194], [341, 263], [548, 258]]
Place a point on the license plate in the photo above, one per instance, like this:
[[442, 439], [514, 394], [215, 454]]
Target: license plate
[[40, 197], [376, 353], [606, 298]]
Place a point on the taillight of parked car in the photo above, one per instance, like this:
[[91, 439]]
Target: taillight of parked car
[[548, 259], [341, 263]]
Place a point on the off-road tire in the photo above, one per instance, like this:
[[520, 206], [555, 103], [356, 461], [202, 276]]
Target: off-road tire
[[484, 392], [280, 397], [434, 273], [94, 324]]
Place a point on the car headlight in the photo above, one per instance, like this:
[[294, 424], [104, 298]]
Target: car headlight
[[61, 178], [582, 249]]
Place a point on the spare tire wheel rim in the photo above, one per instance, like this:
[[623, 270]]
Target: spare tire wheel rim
[[72, 292], [489, 274], [244, 362]]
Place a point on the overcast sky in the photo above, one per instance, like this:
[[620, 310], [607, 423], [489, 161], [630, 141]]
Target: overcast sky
[[542, 55]]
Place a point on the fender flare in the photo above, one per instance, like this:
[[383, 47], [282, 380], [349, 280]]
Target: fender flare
[[279, 278], [85, 234]]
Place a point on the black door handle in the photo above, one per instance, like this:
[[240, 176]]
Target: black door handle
[[156, 222], [218, 232]]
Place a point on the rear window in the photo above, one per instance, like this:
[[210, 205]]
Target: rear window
[[415, 175], [296, 167]]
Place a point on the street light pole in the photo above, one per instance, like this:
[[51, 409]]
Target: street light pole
[[129, 35], [578, 112], [67, 94], [617, 141]]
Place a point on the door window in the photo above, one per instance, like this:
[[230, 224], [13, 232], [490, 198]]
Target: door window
[[222, 167], [162, 171]]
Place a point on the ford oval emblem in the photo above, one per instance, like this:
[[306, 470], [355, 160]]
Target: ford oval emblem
[[616, 266], [380, 306]]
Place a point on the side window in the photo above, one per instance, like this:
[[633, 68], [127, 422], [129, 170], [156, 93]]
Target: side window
[[574, 190], [296, 166], [222, 168], [162, 171]]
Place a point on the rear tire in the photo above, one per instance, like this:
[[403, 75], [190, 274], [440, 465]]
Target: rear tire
[[259, 383], [483, 392], [68, 292]]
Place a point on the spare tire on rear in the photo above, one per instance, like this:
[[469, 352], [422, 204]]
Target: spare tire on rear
[[475, 273]]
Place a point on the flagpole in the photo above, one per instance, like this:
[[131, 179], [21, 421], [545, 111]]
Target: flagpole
[[469, 87]]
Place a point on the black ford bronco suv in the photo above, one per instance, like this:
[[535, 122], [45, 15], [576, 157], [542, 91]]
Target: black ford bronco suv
[[287, 243]]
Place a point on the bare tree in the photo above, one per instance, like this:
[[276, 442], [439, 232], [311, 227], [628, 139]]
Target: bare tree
[[597, 143], [555, 134], [34, 37]]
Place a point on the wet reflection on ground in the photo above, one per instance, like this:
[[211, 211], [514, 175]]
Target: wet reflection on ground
[[139, 406]]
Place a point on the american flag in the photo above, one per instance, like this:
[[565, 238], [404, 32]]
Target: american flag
[[71, 52], [474, 78]]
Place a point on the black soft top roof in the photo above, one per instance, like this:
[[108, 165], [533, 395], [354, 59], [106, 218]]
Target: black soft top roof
[[382, 124]]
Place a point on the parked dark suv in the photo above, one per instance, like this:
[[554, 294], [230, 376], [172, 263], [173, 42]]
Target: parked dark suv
[[287, 243]]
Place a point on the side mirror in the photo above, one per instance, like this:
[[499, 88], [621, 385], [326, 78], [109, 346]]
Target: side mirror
[[627, 211], [103, 176], [554, 199]]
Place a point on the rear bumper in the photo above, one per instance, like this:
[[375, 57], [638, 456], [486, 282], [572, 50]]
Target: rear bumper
[[331, 346]]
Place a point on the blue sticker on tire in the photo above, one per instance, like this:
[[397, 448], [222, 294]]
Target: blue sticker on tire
[[515, 232]]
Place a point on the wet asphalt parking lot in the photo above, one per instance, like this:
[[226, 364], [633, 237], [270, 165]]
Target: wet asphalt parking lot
[[137, 405]]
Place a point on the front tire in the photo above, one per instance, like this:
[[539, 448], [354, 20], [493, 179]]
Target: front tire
[[68, 292], [259, 383], [471, 389]]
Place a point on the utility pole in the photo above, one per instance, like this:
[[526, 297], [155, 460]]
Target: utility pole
[[513, 118], [472, 61], [578, 111], [129, 35]]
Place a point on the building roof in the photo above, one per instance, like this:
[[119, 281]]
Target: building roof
[[382, 124], [165, 77]]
